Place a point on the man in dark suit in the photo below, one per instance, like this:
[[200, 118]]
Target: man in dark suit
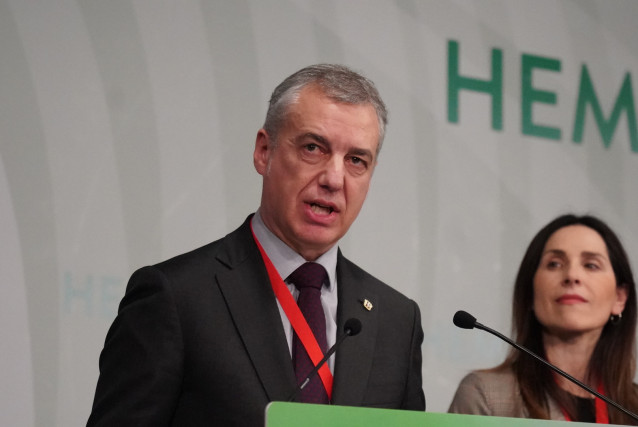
[[202, 339]]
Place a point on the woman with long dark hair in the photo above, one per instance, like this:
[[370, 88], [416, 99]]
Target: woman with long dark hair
[[575, 305]]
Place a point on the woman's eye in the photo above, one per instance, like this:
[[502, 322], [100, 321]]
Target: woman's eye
[[553, 264]]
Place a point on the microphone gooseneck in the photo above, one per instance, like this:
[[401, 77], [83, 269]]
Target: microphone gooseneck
[[351, 328], [465, 320]]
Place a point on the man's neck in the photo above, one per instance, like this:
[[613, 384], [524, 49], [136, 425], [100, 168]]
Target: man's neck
[[285, 258]]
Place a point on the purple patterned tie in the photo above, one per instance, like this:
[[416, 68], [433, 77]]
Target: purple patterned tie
[[309, 278]]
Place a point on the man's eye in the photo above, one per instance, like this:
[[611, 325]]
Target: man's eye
[[312, 147], [358, 162]]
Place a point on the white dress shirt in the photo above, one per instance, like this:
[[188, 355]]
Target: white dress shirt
[[286, 260]]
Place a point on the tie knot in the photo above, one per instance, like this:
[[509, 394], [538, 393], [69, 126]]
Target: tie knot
[[309, 275]]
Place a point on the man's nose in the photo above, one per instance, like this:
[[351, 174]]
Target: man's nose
[[333, 174]]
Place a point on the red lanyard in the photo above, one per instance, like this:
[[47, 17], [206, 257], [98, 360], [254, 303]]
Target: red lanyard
[[602, 417], [296, 318]]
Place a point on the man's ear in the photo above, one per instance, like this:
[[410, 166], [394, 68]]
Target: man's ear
[[263, 148]]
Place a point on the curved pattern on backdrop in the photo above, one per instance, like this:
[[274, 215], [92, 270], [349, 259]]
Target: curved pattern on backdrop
[[119, 55], [26, 173]]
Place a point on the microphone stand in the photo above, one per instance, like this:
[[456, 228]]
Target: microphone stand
[[351, 328], [556, 369]]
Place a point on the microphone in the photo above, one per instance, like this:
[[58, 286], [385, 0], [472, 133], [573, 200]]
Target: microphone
[[465, 320], [351, 328]]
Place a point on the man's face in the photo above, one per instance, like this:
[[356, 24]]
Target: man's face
[[317, 175]]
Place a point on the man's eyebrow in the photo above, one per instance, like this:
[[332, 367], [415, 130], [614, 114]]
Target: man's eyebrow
[[314, 136], [359, 152], [362, 152]]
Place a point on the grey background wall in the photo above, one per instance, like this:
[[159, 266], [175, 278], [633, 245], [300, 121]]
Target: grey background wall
[[127, 129]]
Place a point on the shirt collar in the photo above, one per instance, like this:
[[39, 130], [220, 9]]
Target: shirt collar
[[284, 258]]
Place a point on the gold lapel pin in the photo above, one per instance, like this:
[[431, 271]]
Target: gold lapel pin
[[367, 304]]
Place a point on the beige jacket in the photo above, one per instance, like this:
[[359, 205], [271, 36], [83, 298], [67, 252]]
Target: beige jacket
[[494, 393]]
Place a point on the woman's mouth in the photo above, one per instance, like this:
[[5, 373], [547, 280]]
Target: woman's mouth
[[570, 299]]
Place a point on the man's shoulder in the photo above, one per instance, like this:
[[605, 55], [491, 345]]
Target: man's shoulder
[[232, 248], [351, 273]]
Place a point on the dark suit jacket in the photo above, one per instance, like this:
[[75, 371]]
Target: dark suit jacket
[[198, 341]]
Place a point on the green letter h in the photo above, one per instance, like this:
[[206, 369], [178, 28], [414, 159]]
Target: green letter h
[[493, 87]]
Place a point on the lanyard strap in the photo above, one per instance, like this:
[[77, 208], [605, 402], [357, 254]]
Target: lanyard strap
[[296, 318], [602, 416]]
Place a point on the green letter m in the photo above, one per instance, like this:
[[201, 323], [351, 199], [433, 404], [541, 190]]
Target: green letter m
[[624, 101]]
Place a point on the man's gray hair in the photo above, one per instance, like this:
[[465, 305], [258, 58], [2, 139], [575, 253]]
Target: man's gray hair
[[337, 82]]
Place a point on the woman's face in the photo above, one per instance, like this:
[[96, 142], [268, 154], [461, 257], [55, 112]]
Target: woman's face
[[575, 288]]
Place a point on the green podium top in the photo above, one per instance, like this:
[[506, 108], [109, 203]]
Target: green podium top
[[285, 414]]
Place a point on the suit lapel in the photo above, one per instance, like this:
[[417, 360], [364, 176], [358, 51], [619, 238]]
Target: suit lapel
[[252, 305], [353, 361]]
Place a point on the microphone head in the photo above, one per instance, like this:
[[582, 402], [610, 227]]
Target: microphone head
[[352, 327], [464, 320]]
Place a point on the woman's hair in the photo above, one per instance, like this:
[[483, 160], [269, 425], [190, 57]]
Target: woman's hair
[[613, 359], [337, 82]]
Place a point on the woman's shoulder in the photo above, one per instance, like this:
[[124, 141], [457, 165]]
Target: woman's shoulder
[[487, 378], [488, 392]]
